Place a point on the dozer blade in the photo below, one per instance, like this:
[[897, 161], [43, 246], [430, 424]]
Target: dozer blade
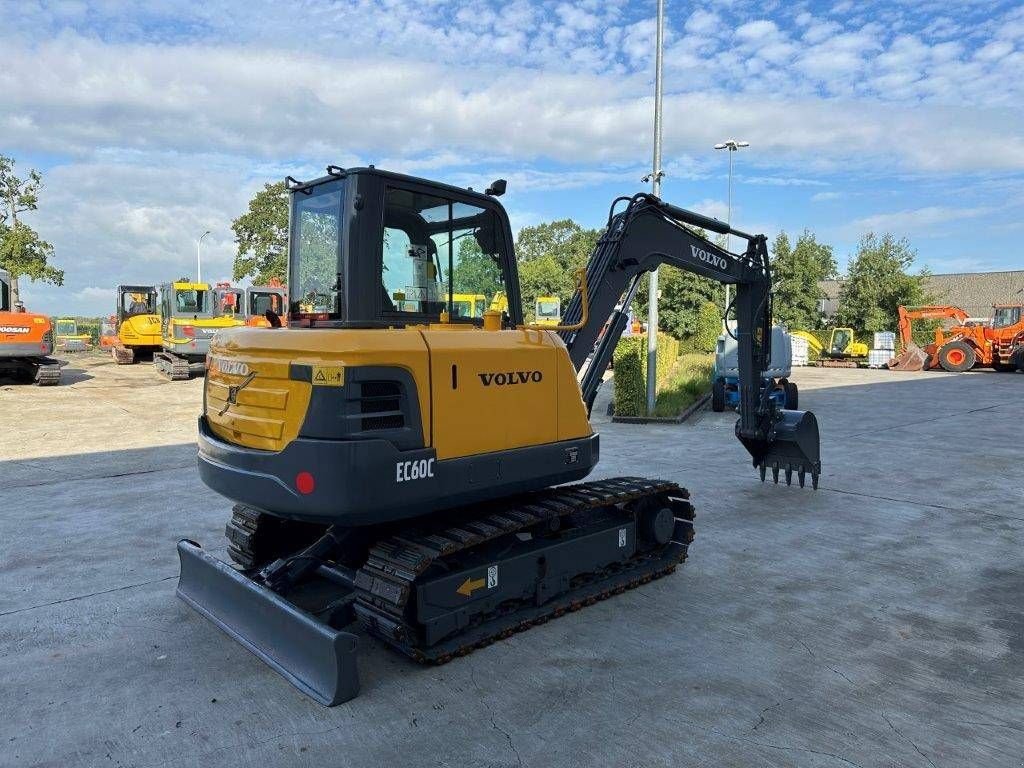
[[318, 660], [794, 448]]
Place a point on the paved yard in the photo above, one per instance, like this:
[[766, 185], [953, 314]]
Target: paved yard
[[876, 622]]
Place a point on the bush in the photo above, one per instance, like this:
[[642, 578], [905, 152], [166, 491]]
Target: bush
[[631, 371], [688, 381], [709, 326]]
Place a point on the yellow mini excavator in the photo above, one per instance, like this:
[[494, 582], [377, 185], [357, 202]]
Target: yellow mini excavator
[[404, 469], [190, 316], [137, 322]]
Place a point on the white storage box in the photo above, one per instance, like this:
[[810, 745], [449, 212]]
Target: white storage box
[[884, 340], [799, 346], [879, 358]]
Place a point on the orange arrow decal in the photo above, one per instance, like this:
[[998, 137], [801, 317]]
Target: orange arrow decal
[[469, 586]]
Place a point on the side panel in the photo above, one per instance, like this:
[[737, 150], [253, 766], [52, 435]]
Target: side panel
[[25, 333], [140, 331], [496, 391], [271, 409]]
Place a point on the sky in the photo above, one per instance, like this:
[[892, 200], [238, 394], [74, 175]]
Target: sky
[[153, 121]]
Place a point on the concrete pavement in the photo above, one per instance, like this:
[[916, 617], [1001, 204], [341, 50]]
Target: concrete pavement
[[876, 622]]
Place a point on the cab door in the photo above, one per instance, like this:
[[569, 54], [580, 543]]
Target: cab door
[[491, 390]]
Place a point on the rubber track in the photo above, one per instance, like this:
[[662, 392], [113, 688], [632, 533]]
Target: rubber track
[[48, 375], [174, 368], [386, 582]]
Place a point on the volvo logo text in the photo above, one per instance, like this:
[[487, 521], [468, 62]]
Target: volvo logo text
[[509, 378], [711, 259]]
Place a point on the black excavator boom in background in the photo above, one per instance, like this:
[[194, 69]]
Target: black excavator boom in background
[[413, 471], [649, 233]]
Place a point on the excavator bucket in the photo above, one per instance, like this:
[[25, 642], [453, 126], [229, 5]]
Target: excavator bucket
[[912, 358], [318, 660], [794, 447]]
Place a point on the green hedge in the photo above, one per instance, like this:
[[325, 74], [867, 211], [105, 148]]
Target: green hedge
[[709, 327], [631, 371]]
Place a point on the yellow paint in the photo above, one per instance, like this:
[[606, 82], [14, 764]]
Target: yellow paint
[[512, 389], [469, 586], [274, 397], [140, 331]]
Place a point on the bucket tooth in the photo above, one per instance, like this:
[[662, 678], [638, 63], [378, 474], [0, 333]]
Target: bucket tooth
[[801, 474], [761, 468], [789, 475], [775, 473], [814, 480]]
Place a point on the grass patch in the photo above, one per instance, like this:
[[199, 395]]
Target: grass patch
[[689, 379]]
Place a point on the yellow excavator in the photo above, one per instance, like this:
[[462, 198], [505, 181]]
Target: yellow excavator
[[843, 350], [137, 324], [548, 310], [469, 304], [402, 469], [68, 338], [190, 316]]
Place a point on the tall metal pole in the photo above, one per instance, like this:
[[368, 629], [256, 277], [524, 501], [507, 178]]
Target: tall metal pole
[[199, 257], [731, 145], [652, 294], [728, 239]]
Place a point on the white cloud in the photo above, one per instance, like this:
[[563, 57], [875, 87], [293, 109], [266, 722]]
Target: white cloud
[[824, 197], [928, 221]]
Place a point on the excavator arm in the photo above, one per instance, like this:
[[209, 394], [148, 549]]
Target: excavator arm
[[649, 232], [909, 314]]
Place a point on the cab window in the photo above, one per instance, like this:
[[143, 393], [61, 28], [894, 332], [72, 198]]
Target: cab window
[[1005, 317], [440, 253], [190, 301]]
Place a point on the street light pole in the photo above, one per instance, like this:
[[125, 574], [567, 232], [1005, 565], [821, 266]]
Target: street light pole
[[656, 174], [733, 146], [199, 257]]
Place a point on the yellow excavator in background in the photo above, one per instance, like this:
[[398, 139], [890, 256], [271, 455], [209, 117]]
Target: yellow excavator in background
[[843, 350], [548, 310], [68, 338], [190, 316], [394, 465], [472, 305], [137, 324]]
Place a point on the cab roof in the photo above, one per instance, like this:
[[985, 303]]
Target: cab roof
[[337, 172]]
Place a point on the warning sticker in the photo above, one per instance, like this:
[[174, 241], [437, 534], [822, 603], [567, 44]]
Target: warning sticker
[[328, 375]]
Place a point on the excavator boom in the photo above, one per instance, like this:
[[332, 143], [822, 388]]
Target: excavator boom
[[648, 233]]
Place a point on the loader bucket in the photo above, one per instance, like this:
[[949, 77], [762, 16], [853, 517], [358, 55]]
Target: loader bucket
[[912, 358], [793, 448], [318, 660]]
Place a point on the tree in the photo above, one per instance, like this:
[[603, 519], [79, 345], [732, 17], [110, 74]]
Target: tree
[[22, 252], [877, 283], [549, 256], [475, 271], [682, 295], [262, 236], [796, 273]]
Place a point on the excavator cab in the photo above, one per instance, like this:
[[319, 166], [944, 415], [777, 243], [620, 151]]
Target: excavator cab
[[400, 464]]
